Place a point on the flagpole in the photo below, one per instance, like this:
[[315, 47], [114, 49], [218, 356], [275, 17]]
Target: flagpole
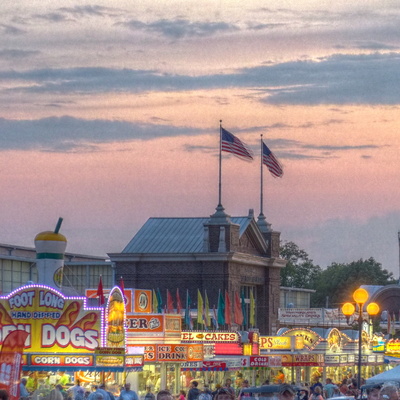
[[262, 179], [220, 165]]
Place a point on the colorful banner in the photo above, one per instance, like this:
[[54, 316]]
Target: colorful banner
[[54, 323], [11, 362]]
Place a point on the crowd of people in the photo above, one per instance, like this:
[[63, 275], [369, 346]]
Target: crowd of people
[[316, 391]]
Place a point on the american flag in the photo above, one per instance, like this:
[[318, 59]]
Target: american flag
[[273, 165], [232, 144]]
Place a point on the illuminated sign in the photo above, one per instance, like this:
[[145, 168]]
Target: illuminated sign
[[62, 360], [115, 333], [311, 339], [55, 323], [393, 347], [281, 342], [193, 336], [303, 360], [110, 361], [334, 340], [173, 352], [110, 350], [134, 361], [144, 323], [259, 361]]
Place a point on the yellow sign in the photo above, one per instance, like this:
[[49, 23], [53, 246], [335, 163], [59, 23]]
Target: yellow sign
[[281, 342], [311, 339], [115, 319], [56, 324]]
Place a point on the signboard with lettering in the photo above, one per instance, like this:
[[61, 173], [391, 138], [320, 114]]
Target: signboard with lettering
[[281, 342], [200, 336], [258, 361], [311, 339], [144, 324], [173, 352], [55, 323], [294, 360], [61, 360], [310, 316]]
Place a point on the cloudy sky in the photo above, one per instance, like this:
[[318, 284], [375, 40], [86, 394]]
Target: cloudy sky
[[110, 110]]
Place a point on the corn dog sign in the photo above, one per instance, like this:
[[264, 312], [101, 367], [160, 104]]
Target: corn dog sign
[[54, 323]]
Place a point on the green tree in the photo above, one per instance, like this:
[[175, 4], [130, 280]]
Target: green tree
[[300, 271], [336, 284]]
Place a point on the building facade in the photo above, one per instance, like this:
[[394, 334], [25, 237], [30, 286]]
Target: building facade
[[215, 254]]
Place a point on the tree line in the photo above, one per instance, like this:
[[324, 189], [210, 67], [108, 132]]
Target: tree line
[[334, 285]]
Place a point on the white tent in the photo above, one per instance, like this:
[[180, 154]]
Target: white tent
[[390, 375]]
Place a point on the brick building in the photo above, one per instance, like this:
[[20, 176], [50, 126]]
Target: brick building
[[215, 253]]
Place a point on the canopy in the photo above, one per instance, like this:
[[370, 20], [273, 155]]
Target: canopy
[[390, 375]]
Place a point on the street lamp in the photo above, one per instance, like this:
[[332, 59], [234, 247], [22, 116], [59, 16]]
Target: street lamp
[[360, 296]]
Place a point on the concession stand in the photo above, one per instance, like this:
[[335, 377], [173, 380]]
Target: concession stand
[[66, 338], [322, 353]]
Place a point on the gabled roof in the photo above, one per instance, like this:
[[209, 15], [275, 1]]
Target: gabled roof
[[175, 235]]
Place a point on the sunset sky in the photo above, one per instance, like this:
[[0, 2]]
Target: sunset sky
[[110, 115]]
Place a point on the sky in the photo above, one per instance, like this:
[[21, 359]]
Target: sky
[[110, 114]]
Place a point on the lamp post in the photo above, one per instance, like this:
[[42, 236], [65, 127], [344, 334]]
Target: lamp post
[[360, 297]]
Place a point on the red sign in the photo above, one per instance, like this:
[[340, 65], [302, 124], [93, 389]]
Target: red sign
[[228, 349], [11, 361], [214, 365], [259, 361]]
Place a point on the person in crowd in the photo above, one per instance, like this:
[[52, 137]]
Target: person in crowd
[[80, 394], [317, 394], [164, 395], [56, 394], [149, 395], [245, 384], [315, 385], [106, 393], [266, 382], [353, 390], [223, 394], [3, 394], [214, 393], [373, 392], [229, 389], [181, 395], [194, 391], [205, 393], [329, 388], [286, 392], [127, 393], [389, 391], [24, 394], [73, 389]]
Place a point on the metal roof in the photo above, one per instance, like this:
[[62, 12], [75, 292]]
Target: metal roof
[[174, 235]]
